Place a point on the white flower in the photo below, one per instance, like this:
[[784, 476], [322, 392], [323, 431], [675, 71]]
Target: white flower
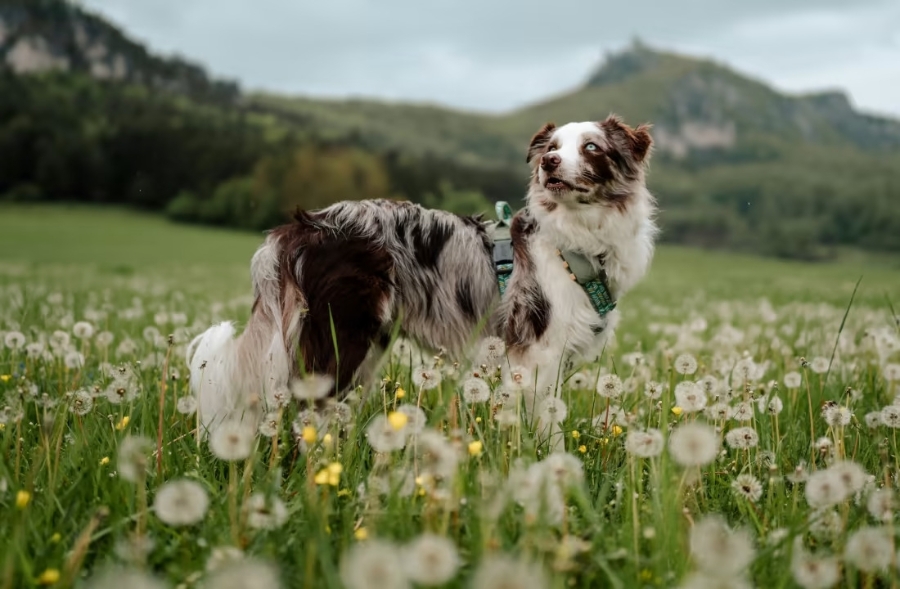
[[312, 387], [186, 405], [73, 360], [890, 416], [873, 419], [83, 330], [881, 504], [375, 563], [552, 410], [14, 340], [773, 405], [117, 577], [748, 487], [383, 437], [824, 488], [646, 444], [610, 386], [34, 350], [718, 550], [82, 402], [693, 444], [245, 573], [519, 378], [434, 455], [104, 339], [742, 438], [181, 503], [265, 513], [819, 365], [742, 412], [579, 381], [59, 340], [475, 390], [653, 390], [825, 523], [416, 418], [689, 397], [836, 415], [685, 364], [718, 411], [426, 378], [870, 549], [710, 385], [492, 351], [232, 440], [133, 457], [506, 572], [793, 380], [850, 474], [813, 573], [430, 560], [268, 427]]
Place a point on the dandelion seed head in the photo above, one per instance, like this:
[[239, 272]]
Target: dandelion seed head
[[82, 402], [610, 386], [825, 488], [426, 378], [552, 410], [383, 437], [374, 563], [507, 572], [475, 390], [232, 440], [245, 573], [181, 503], [748, 487], [742, 438], [83, 330], [685, 364], [644, 444], [718, 550], [693, 444], [186, 405], [870, 549], [312, 387], [265, 512], [430, 559], [813, 573], [690, 397], [133, 457], [882, 504]]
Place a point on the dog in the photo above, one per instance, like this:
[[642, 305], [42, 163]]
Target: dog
[[329, 287]]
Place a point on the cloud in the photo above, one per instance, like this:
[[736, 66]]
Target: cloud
[[492, 55]]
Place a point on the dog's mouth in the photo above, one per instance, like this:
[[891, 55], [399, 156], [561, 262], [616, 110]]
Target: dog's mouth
[[557, 184]]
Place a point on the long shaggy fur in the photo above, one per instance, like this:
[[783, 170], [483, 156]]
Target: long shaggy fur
[[343, 276]]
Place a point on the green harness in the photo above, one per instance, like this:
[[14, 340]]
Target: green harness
[[580, 268]]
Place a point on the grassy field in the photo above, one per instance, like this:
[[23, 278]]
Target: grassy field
[[716, 444]]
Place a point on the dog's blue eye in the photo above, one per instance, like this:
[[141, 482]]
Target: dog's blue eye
[[591, 147]]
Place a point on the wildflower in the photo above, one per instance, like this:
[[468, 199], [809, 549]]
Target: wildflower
[[718, 550], [55, 538], [246, 573], [104, 339], [375, 563], [718, 411], [361, 534], [186, 405], [232, 440], [579, 381], [742, 412], [519, 378], [104, 461], [873, 419], [475, 390], [819, 365], [312, 387], [709, 385], [824, 488], [890, 416], [793, 380], [799, 475], [435, 455], [82, 403], [426, 378], [689, 397], [181, 503], [397, 420], [653, 390], [646, 444], [748, 487], [582, 448], [5, 377], [773, 405], [416, 417], [383, 437], [836, 415], [14, 340], [399, 393], [507, 572], [83, 330], [552, 410], [23, 498], [742, 438], [813, 573], [122, 423], [881, 504], [610, 386], [309, 434], [475, 448], [677, 411], [576, 434], [132, 460], [693, 444], [265, 513], [870, 549], [492, 351], [73, 360], [117, 577], [431, 560], [685, 364], [851, 475]]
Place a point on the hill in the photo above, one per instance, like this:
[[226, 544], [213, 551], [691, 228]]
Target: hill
[[92, 115]]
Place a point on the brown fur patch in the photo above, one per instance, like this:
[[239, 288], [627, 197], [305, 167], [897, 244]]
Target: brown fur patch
[[540, 141], [529, 310]]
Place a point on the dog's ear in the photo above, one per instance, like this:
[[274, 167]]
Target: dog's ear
[[638, 141], [540, 141]]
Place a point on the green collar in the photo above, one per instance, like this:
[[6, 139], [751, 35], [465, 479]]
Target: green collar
[[593, 282]]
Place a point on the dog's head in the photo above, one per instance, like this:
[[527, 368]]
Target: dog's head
[[592, 163]]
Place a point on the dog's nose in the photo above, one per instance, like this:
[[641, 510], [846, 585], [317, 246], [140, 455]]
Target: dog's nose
[[550, 161]]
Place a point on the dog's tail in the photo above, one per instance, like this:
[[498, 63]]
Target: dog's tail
[[237, 377]]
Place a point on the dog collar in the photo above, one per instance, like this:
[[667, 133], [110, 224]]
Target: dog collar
[[593, 282]]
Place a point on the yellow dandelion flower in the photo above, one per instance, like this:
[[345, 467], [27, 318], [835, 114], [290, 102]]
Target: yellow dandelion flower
[[123, 423], [576, 434], [23, 498], [604, 441], [48, 577], [677, 410], [616, 431], [2, 426], [309, 434], [104, 461], [361, 534], [55, 538], [326, 439], [398, 420], [399, 393], [582, 448], [646, 575], [478, 420], [475, 448], [343, 493], [5, 377], [321, 477]]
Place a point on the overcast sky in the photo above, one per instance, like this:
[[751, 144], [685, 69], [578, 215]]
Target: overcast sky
[[495, 55]]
